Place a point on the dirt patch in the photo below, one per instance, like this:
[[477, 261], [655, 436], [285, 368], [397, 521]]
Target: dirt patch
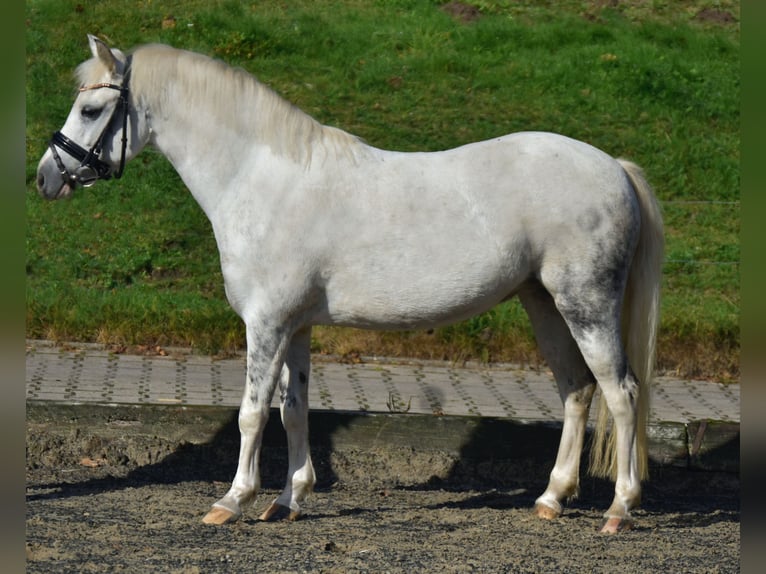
[[715, 16], [461, 11], [102, 501]]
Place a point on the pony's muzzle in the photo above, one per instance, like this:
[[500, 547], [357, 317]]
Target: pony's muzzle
[[51, 184]]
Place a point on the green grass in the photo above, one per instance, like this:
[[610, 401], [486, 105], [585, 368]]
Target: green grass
[[134, 261]]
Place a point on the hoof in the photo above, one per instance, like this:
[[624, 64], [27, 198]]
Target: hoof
[[613, 525], [277, 511], [269, 513], [218, 515], [545, 512]]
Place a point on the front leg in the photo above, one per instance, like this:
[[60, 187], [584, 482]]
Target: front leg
[[294, 408], [265, 357]]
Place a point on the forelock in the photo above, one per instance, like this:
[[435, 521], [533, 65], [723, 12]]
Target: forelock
[[89, 72]]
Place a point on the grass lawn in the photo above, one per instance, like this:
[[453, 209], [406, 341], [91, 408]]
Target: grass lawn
[[134, 261]]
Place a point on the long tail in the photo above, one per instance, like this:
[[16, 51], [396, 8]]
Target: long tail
[[640, 322]]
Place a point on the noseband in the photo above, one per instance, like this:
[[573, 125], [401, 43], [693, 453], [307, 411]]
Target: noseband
[[91, 167]]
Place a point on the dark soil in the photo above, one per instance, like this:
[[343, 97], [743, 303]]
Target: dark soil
[[93, 507]]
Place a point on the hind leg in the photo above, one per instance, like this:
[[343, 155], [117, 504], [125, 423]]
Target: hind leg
[[576, 386], [597, 333], [294, 409]]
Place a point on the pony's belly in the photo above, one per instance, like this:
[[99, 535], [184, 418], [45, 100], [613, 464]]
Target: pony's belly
[[413, 305]]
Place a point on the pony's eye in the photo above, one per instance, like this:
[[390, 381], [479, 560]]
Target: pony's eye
[[90, 113]]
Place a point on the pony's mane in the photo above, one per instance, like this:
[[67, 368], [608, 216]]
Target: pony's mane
[[173, 79]]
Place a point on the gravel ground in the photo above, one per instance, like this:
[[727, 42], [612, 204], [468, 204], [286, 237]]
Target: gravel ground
[[97, 504]]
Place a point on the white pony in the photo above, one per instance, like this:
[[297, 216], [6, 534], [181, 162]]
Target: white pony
[[316, 227]]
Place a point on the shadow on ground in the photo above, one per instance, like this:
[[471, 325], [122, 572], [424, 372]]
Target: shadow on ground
[[507, 462]]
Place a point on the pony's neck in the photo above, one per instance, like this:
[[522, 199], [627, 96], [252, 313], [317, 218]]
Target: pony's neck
[[207, 116]]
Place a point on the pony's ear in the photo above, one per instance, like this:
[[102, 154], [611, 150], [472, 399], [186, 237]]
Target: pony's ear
[[103, 53]]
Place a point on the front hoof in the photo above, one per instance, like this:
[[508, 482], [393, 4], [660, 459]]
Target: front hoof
[[294, 515], [277, 512], [545, 512], [218, 515], [614, 524]]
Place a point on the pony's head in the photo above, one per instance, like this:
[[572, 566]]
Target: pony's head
[[102, 131]]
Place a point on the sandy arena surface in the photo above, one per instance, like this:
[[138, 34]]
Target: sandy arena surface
[[98, 504]]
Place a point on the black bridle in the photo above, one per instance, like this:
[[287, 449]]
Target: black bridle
[[91, 167]]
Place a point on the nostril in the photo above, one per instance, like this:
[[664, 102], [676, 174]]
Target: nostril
[[40, 181]]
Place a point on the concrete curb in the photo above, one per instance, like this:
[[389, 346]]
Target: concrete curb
[[699, 445]]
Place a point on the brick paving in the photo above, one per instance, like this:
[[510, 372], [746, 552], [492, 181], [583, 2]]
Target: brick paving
[[89, 374]]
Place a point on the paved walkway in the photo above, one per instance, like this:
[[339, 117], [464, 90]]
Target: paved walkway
[[89, 374]]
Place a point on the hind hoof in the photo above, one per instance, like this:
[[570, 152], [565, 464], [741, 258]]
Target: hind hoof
[[614, 525], [218, 515]]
